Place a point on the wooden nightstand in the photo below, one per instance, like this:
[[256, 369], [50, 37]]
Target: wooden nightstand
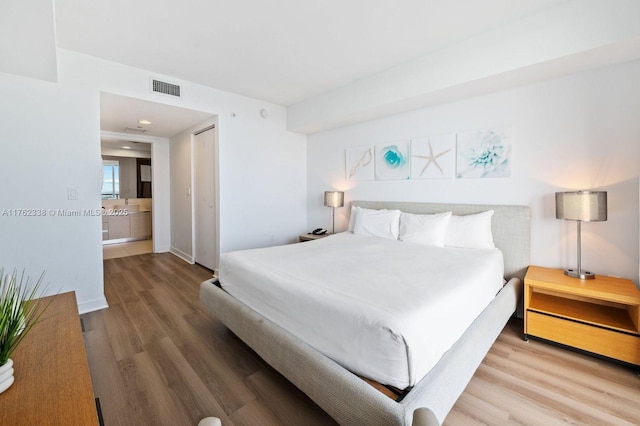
[[601, 316], [310, 237]]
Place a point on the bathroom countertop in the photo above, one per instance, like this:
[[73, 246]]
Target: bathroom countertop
[[121, 212]]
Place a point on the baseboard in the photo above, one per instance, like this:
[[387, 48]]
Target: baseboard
[[162, 248], [92, 305], [182, 255]]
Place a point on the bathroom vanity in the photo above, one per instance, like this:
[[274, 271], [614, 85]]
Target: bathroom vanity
[[122, 223]]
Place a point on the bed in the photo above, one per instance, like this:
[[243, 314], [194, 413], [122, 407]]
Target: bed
[[344, 395]]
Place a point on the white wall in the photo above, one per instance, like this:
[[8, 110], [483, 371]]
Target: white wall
[[263, 181], [50, 141], [50, 137], [28, 39], [575, 132], [181, 216], [160, 213]]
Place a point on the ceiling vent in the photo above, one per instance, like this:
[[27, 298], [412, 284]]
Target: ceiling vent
[[158, 86], [135, 130]]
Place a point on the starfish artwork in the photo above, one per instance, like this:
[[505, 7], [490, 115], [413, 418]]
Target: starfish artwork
[[432, 159]]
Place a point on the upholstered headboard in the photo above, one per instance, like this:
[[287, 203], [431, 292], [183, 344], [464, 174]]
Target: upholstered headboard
[[511, 227]]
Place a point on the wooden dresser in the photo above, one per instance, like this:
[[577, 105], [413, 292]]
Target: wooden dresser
[[52, 381]]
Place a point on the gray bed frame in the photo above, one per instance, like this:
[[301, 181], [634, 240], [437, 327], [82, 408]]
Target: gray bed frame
[[346, 397]]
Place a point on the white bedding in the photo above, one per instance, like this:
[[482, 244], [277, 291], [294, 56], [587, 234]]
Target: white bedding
[[384, 309]]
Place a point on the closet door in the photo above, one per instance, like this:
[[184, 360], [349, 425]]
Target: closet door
[[204, 199]]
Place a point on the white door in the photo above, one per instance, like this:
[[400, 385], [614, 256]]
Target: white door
[[204, 200]]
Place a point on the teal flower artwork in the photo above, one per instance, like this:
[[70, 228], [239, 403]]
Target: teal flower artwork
[[393, 157], [392, 161]]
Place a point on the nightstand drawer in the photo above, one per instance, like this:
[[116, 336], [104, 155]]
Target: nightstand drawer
[[613, 344]]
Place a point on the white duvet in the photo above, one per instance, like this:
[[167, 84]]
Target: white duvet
[[387, 310]]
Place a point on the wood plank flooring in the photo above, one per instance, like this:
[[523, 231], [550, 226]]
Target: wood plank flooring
[[157, 357]]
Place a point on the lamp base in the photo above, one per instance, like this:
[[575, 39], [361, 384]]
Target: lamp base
[[583, 275]]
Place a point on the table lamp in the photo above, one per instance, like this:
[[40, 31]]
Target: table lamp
[[581, 206], [333, 199]]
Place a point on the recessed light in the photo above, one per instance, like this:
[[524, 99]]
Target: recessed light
[[126, 147], [144, 122]]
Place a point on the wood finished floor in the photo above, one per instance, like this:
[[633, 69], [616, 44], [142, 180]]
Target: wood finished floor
[[157, 357]]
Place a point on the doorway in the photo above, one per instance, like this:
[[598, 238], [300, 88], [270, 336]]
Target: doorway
[[126, 186], [205, 243], [170, 131]]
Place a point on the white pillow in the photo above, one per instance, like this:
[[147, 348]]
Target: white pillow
[[426, 229], [470, 231], [378, 223], [352, 217]]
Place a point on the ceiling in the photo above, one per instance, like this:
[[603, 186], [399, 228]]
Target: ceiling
[[333, 63], [283, 51], [122, 114], [110, 145]]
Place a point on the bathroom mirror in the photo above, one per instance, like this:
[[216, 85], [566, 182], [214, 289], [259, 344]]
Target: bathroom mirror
[[126, 170]]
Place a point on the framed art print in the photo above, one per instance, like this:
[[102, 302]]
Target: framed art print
[[392, 161], [433, 157], [484, 154], [360, 164]]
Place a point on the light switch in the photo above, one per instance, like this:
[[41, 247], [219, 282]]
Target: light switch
[[72, 193]]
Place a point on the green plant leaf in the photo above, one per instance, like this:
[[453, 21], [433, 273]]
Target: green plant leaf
[[20, 309]]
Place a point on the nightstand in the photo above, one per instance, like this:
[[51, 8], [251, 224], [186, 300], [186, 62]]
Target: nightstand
[[601, 316], [310, 237]]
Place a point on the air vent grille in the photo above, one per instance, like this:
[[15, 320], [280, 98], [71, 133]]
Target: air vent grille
[[133, 129], [158, 86]]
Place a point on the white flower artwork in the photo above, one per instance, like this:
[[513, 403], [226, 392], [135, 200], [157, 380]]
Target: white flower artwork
[[360, 164], [484, 154], [433, 157]]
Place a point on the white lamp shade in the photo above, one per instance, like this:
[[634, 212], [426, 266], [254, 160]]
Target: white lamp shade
[[585, 206], [334, 198]]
